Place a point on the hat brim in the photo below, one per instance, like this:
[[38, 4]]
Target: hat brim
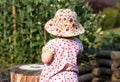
[[51, 27]]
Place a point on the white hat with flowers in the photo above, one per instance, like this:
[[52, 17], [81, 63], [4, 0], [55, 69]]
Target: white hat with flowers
[[64, 24]]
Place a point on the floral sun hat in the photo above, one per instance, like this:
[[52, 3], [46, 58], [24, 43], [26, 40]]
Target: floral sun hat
[[64, 24]]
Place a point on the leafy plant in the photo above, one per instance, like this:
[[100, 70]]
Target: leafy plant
[[117, 24], [90, 23], [110, 41], [110, 18], [24, 45]]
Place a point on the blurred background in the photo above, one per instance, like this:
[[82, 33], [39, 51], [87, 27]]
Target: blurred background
[[109, 8], [22, 33]]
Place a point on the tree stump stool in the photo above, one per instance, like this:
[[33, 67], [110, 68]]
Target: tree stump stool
[[26, 73], [0, 79]]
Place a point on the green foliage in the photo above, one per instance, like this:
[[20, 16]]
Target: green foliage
[[117, 24], [110, 41], [110, 18], [6, 44], [118, 6], [90, 23], [31, 15]]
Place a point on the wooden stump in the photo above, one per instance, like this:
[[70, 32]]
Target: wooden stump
[[104, 62], [26, 73], [94, 63], [0, 79], [104, 54], [116, 74], [96, 72], [97, 79], [109, 65], [116, 63], [86, 77], [108, 54], [85, 69], [114, 79], [101, 70], [115, 55]]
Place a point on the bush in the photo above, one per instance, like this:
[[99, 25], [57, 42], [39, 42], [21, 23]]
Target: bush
[[110, 41], [92, 31], [117, 24], [110, 18], [31, 15]]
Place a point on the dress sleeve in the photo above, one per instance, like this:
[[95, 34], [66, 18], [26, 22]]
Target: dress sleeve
[[49, 47], [81, 48]]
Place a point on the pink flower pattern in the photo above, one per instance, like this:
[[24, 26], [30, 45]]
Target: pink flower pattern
[[64, 18], [64, 67]]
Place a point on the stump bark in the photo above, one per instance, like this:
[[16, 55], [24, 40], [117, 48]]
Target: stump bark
[[104, 62], [115, 55], [0, 79], [104, 54], [108, 66], [25, 73], [116, 73], [114, 79], [97, 79], [116, 63], [85, 69], [86, 77], [101, 70]]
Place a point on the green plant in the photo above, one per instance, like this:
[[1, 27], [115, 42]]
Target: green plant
[[29, 18], [6, 46], [117, 24], [110, 41], [92, 31], [110, 18]]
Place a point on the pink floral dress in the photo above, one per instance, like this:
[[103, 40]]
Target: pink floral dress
[[64, 67]]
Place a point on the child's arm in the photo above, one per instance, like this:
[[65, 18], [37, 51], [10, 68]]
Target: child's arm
[[48, 52], [47, 56]]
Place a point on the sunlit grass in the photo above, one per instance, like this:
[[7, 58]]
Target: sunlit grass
[[114, 30]]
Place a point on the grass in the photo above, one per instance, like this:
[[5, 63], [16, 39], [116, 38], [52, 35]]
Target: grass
[[114, 30]]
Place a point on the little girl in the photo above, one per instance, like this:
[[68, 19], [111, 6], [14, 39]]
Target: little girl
[[59, 55]]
